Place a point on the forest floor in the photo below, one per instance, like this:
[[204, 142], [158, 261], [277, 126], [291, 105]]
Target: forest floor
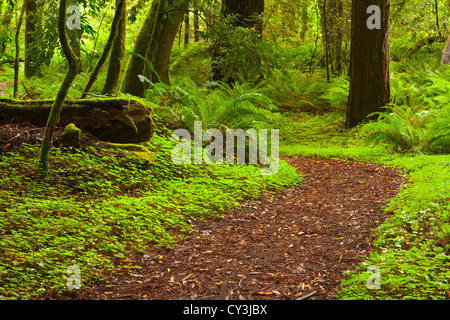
[[296, 244]]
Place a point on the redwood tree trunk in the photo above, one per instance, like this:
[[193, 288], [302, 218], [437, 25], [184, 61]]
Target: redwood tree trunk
[[31, 38], [369, 63], [160, 51]]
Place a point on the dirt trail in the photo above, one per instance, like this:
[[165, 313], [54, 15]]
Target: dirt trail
[[293, 245]]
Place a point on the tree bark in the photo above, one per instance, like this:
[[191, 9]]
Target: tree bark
[[57, 106], [187, 29], [369, 63], [161, 48], [196, 23], [112, 120], [446, 53], [131, 82], [17, 57], [107, 49], [248, 16], [117, 55], [32, 66]]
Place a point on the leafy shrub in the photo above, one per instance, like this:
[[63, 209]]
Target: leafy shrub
[[413, 128], [221, 109]]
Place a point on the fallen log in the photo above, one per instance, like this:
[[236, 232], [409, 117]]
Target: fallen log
[[111, 120], [418, 45]]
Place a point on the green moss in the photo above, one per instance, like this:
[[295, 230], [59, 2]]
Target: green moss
[[141, 154], [71, 136]]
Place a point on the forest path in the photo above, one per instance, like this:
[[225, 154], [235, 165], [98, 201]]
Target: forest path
[[296, 243]]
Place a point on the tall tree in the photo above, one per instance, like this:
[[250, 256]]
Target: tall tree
[[162, 44], [17, 45], [154, 45], [32, 65], [196, 22], [117, 55], [108, 46], [369, 60], [55, 112], [132, 84]]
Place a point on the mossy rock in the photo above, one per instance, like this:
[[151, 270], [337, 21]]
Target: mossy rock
[[71, 137]]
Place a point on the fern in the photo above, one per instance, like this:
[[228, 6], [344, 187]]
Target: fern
[[220, 109], [416, 129]]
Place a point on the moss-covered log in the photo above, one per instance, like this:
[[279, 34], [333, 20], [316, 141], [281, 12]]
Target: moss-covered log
[[112, 120]]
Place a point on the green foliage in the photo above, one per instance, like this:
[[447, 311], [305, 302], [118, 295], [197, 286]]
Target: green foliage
[[101, 204], [413, 128], [241, 55], [221, 109]]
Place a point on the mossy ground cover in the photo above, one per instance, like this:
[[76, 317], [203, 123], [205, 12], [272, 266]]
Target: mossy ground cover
[[100, 204]]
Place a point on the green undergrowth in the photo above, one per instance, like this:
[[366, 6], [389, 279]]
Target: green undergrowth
[[100, 204], [412, 247]]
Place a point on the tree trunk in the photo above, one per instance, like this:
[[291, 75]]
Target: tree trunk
[[112, 120], [5, 25], [187, 26], [57, 106], [196, 23], [32, 66], [117, 55], [248, 13], [446, 53], [369, 63], [132, 84], [305, 26], [17, 57], [160, 50], [107, 49]]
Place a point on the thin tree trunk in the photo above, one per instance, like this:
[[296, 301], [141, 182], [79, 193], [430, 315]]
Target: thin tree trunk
[[107, 49], [17, 56], [369, 63], [305, 26], [196, 23], [117, 55], [31, 39], [57, 106]]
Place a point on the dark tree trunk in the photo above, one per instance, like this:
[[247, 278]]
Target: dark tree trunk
[[369, 63], [117, 56], [132, 84], [246, 10], [196, 23], [187, 29], [248, 14], [161, 49], [31, 39]]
